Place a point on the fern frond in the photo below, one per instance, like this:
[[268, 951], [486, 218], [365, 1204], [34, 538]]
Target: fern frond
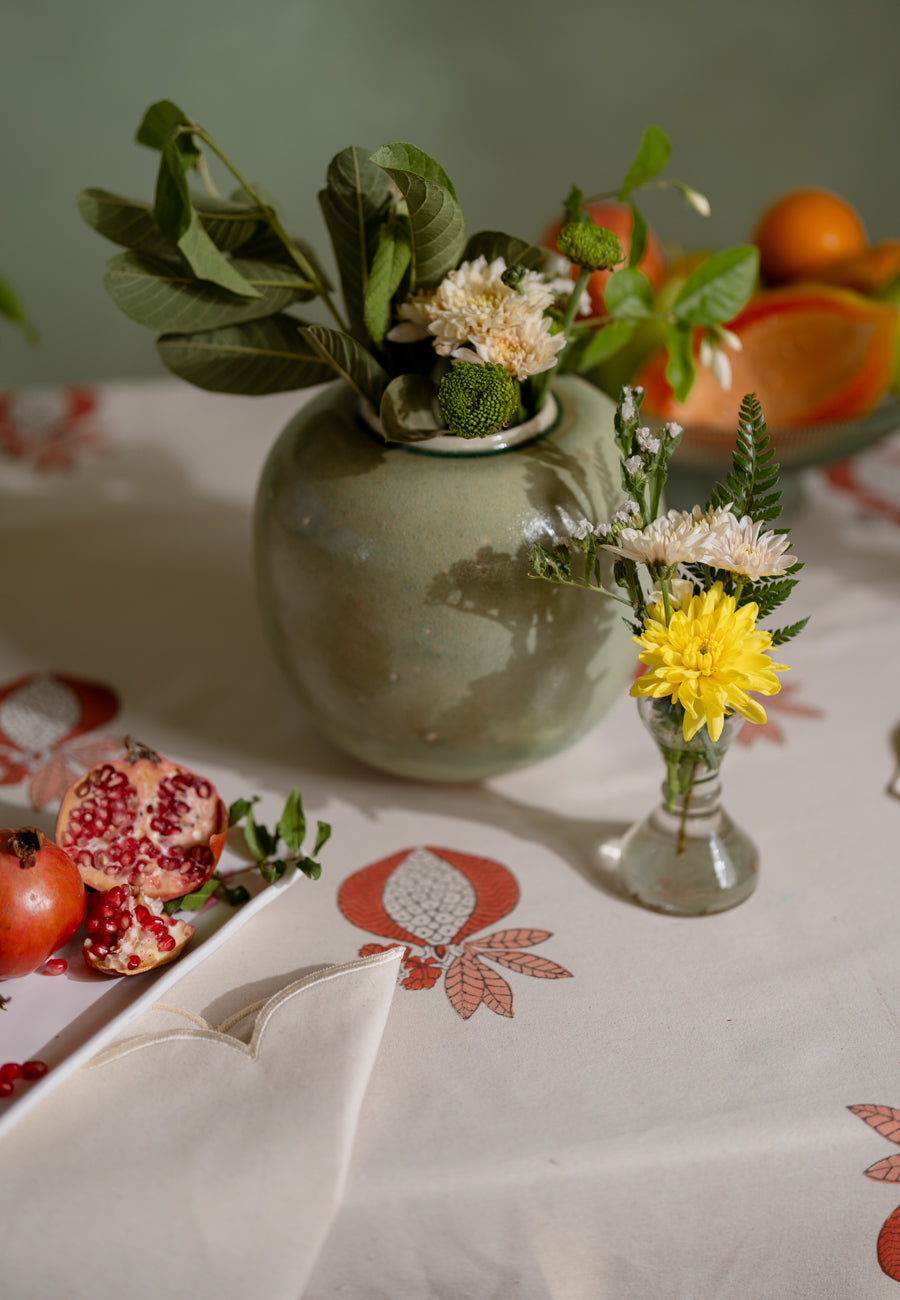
[[752, 483], [782, 634]]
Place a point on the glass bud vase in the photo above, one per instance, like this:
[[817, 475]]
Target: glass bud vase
[[688, 858]]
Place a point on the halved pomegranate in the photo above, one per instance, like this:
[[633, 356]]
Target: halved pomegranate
[[127, 933], [143, 821]]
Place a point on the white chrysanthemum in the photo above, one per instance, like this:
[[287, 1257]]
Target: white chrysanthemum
[[737, 546], [675, 538], [521, 350], [473, 315]]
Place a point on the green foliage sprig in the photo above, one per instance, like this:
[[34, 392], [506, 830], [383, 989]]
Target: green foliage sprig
[[263, 844], [220, 278], [751, 489]]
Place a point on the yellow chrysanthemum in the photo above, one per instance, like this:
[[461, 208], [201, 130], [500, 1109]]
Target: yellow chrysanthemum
[[707, 659]]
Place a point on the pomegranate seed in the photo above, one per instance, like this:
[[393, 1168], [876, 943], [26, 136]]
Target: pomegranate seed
[[6, 1087], [10, 1071], [166, 944], [34, 1070], [55, 966], [134, 961]]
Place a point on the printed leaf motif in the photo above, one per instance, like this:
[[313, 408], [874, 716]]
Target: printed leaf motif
[[884, 1119], [889, 1245], [497, 995], [512, 939], [885, 1171], [527, 964], [49, 782], [464, 983]]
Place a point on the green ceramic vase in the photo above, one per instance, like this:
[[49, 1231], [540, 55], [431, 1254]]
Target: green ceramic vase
[[394, 584]]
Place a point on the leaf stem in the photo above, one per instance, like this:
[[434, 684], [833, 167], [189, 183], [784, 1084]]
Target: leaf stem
[[273, 219]]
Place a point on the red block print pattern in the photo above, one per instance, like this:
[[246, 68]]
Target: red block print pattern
[[886, 1121], [778, 707], [45, 725], [51, 431], [434, 902], [872, 480]]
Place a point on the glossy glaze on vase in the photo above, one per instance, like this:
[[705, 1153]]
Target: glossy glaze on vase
[[688, 857], [395, 590]]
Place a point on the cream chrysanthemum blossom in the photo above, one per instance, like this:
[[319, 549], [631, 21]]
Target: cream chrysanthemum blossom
[[522, 350], [737, 546], [472, 315], [674, 538], [707, 659]]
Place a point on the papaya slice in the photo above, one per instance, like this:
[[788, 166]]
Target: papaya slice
[[810, 353], [868, 272]]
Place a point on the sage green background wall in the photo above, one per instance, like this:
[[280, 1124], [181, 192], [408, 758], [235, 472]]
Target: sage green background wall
[[517, 99]]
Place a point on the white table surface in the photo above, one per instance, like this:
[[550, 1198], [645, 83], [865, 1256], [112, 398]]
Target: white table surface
[[642, 1106]]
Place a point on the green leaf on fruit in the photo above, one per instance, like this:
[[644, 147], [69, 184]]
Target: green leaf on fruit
[[720, 288]]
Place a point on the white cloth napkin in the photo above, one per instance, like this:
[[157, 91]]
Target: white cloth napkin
[[186, 1161]]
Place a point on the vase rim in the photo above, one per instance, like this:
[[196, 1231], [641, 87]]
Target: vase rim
[[451, 445]]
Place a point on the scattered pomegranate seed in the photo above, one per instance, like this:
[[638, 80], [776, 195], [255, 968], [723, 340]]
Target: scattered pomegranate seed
[[10, 1072], [55, 966], [6, 1087], [34, 1070]]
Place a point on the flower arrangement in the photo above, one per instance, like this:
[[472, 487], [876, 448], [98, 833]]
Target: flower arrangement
[[697, 581], [438, 329]]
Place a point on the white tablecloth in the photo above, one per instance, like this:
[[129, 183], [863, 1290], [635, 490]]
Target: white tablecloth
[[578, 1099]]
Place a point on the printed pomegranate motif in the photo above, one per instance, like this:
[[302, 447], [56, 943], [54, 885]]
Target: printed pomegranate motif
[[42, 900], [127, 933], [143, 821]]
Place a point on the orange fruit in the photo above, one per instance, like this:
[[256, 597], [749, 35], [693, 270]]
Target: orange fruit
[[868, 272], [805, 231], [617, 218], [810, 352]]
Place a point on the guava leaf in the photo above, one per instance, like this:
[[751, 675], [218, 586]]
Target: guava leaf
[[349, 360], [167, 298], [437, 226], [355, 201], [261, 356]]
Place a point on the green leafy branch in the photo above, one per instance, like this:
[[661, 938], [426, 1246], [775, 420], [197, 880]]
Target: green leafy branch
[[711, 296], [289, 831], [263, 844]]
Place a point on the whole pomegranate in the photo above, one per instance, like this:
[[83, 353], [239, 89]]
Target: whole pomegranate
[[127, 933], [145, 821], [42, 900]]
